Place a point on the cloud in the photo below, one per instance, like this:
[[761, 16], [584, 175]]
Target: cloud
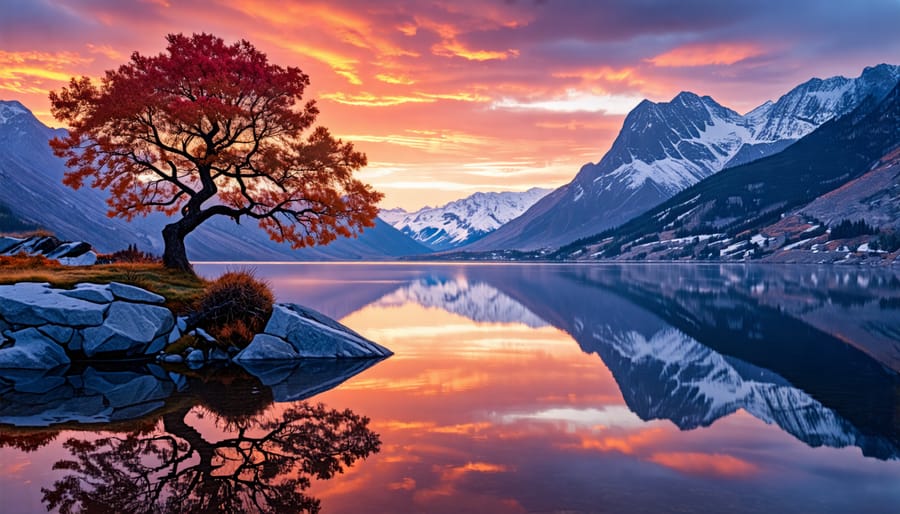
[[546, 83], [707, 54], [575, 101]]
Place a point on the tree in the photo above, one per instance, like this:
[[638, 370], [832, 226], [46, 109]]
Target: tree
[[211, 129]]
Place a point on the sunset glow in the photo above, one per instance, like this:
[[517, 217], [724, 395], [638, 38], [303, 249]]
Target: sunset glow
[[450, 98]]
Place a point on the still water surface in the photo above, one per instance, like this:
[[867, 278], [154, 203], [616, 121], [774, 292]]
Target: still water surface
[[513, 388]]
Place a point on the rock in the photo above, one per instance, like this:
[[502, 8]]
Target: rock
[[66, 252], [136, 411], [142, 389], [96, 293], [179, 380], [267, 347], [128, 328], [8, 242], [61, 335], [77, 342], [156, 346], [302, 379], [172, 358], [42, 386], [181, 323], [196, 356], [32, 350], [217, 354], [315, 335], [134, 294], [203, 334], [86, 259], [174, 335], [37, 304]]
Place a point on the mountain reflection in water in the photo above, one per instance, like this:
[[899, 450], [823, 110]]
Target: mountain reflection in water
[[513, 388], [814, 350]]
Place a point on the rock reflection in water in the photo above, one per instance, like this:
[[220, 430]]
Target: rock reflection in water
[[263, 460]]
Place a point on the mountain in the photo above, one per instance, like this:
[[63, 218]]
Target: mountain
[[665, 147], [722, 215], [463, 221], [33, 190], [12, 222]]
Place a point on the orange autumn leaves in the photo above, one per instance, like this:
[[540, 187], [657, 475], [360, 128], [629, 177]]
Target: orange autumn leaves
[[210, 128]]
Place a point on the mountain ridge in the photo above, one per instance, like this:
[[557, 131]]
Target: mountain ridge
[[722, 215], [665, 147], [462, 221]]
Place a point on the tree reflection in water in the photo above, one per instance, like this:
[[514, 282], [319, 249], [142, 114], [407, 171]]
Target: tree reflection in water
[[263, 465]]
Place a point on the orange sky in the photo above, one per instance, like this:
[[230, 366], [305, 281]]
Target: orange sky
[[452, 97]]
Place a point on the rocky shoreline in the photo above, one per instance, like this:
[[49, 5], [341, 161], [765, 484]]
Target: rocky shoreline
[[43, 328]]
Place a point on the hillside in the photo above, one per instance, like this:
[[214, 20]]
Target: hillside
[[722, 216], [32, 188], [666, 147]]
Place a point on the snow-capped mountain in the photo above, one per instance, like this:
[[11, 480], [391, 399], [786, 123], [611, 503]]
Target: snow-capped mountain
[[476, 301], [666, 147], [31, 188], [462, 221]]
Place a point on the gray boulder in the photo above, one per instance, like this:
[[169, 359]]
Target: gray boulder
[[32, 350], [265, 347], [68, 253], [96, 293], [33, 304], [134, 294], [309, 334], [129, 328], [195, 356]]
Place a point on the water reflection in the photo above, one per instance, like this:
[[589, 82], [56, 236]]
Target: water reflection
[[198, 441], [806, 348], [263, 465], [566, 388]]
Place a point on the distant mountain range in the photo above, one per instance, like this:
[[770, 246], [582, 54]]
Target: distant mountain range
[[733, 214], [825, 152], [462, 221], [33, 194], [664, 148]]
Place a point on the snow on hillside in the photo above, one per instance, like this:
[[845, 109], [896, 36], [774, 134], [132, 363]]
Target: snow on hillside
[[462, 221], [666, 147]]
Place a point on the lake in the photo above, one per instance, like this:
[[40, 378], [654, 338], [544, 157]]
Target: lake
[[513, 388]]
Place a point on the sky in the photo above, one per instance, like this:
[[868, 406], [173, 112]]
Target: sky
[[450, 97]]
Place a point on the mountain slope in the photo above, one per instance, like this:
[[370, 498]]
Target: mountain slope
[[731, 205], [32, 189], [12, 222], [462, 221], [666, 147]]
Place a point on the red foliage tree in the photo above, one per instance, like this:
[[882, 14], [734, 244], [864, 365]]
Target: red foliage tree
[[209, 129]]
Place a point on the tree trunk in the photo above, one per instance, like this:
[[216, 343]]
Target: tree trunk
[[174, 254]]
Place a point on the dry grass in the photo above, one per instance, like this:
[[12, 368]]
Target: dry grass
[[234, 307], [181, 290]]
